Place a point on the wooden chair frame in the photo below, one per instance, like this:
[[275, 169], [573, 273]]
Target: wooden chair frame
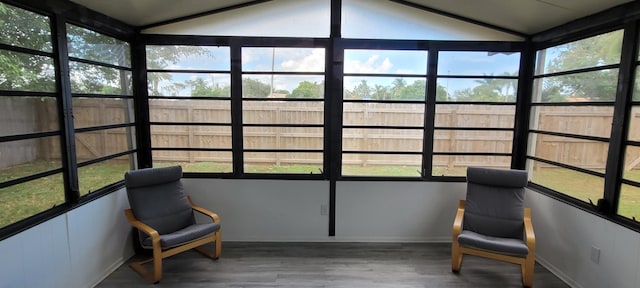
[[159, 253], [526, 264]]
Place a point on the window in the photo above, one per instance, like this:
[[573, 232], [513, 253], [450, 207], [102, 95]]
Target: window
[[383, 112], [100, 74], [190, 107], [31, 180], [283, 110], [475, 110], [572, 111], [629, 203]]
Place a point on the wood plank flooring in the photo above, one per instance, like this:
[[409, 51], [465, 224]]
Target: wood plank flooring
[[306, 265]]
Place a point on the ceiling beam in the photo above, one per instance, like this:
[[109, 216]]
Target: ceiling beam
[[461, 18]]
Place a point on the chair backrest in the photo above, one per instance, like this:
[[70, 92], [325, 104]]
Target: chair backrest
[[494, 203], [157, 198]]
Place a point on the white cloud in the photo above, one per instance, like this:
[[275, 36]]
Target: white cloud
[[313, 62], [372, 65]]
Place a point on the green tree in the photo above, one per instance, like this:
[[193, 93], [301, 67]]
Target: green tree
[[415, 91], [361, 91], [254, 88], [160, 57], [24, 71], [308, 89], [591, 52], [396, 87]]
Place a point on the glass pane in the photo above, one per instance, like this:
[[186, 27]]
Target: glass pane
[[284, 86], [269, 59], [283, 162], [478, 63], [632, 163], [581, 87], [290, 112], [382, 140], [305, 138], [472, 141], [636, 87], [582, 120], [95, 176], [385, 88], [189, 84], [383, 114], [477, 89], [190, 110], [486, 116], [634, 124], [581, 153], [88, 112], [595, 51], [175, 136], [24, 29], [188, 58], [195, 161], [28, 157], [579, 185], [95, 144], [20, 201], [26, 72], [23, 115], [456, 165], [391, 165], [385, 62], [629, 205], [90, 45], [93, 79]]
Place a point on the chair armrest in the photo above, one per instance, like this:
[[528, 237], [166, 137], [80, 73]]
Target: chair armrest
[[214, 217], [155, 236], [530, 236], [457, 223]]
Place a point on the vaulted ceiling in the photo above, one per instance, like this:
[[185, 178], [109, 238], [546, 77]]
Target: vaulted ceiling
[[524, 16]]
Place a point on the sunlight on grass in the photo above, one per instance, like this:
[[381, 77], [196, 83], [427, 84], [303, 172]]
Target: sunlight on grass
[[23, 200]]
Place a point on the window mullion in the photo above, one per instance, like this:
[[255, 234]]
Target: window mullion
[[63, 83], [619, 129]]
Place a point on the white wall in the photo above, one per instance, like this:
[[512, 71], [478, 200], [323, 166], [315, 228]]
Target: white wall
[[282, 18], [396, 211], [77, 249], [280, 210], [565, 235]]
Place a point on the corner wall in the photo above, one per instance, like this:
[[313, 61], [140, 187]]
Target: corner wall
[[76, 249], [565, 236]]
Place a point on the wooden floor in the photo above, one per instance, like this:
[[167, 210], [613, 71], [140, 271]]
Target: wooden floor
[[302, 265]]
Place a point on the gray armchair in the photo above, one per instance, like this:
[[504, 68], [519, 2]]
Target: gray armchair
[[164, 216], [493, 222]]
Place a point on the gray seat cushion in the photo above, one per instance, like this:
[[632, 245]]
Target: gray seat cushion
[[495, 202], [509, 246], [188, 234]]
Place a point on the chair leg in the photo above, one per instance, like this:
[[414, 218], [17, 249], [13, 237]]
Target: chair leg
[[456, 257], [215, 254], [154, 277], [157, 265], [527, 271], [218, 244]]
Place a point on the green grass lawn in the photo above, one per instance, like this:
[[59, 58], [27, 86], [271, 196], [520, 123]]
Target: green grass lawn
[[23, 200]]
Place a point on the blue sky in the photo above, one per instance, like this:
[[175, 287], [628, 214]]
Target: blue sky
[[400, 62]]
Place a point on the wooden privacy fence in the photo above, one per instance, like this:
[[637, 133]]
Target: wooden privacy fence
[[593, 121]]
